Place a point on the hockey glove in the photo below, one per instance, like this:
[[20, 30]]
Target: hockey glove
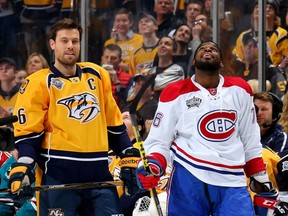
[[282, 168], [260, 182], [265, 202], [281, 209], [128, 166], [149, 178], [20, 179]]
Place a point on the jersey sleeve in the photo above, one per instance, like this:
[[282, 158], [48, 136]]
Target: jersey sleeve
[[249, 132], [163, 129], [33, 96]]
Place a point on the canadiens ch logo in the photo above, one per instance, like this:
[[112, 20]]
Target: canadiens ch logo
[[195, 101], [84, 107], [218, 125]]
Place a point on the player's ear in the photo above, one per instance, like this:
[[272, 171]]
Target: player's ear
[[221, 64], [52, 44], [193, 62]]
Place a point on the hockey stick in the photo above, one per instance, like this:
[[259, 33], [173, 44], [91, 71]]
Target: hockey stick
[[139, 139], [71, 186]]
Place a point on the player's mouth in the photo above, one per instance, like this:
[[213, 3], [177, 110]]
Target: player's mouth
[[207, 56]]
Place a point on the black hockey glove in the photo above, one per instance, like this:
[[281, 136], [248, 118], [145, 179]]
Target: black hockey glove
[[20, 179], [282, 167], [281, 209], [128, 166]]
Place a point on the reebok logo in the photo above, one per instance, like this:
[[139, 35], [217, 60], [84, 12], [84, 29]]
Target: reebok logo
[[131, 161]]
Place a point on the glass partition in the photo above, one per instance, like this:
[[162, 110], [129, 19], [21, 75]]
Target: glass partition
[[25, 26]]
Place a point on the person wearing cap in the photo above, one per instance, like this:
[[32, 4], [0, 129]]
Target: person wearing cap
[[144, 56], [8, 86], [277, 40], [208, 122], [138, 81], [248, 68], [124, 36]]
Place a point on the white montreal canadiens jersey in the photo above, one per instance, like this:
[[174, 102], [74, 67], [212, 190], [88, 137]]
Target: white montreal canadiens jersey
[[212, 133]]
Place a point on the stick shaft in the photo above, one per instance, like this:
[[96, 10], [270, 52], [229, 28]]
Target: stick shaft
[[72, 186], [139, 139]]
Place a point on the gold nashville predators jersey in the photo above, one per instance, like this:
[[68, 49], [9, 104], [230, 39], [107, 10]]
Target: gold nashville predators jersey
[[128, 47], [63, 122], [277, 45], [143, 59]]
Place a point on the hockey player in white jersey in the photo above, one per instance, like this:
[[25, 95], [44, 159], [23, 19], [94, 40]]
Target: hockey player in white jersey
[[209, 123]]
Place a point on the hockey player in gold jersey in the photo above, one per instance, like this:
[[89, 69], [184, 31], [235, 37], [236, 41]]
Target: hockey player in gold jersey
[[67, 117]]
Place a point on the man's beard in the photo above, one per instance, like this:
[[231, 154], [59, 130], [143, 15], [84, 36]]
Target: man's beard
[[207, 66], [67, 62]]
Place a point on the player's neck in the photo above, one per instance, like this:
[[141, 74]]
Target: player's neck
[[207, 80], [66, 70]]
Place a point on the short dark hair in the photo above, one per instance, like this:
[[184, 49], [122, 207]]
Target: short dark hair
[[65, 23], [183, 24], [124, 11], [113, 47], [277, 104], [194, 2], [173, 41], [215, 44]]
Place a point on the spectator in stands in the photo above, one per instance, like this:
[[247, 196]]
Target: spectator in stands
[[144, 56], [111, 60], [206, 29], [202, 31], [128, 40], [66, 9], [8, 93], [269, 111], [283, 121], [182, 55], [166, 71], [207, 8], [192, 10], [20, 76], [35, 62], [248, 69], [277, 40], [166, 20], [148, 95], [36, 18], [8, 86], [9, 34]]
